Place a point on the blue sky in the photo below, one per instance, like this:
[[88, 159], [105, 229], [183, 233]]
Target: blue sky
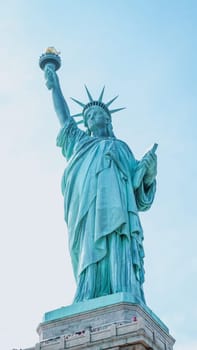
[[145, 51]]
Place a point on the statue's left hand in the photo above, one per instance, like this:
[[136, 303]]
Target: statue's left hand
[[150, 161]]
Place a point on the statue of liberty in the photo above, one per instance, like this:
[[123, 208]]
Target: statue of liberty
[[104, 188]]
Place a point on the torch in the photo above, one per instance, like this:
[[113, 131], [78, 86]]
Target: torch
[[50, 57]]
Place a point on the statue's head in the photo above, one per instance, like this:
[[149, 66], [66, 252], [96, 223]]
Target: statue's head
[[96, 114], [95, 117]]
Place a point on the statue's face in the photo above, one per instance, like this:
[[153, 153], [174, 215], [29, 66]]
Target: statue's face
[[96, 118]]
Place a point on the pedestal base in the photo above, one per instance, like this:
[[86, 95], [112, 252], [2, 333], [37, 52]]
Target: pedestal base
[[112, 322]]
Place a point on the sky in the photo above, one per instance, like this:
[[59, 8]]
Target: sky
[[145, 51]]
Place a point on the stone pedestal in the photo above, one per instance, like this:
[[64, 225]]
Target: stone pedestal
[[113, 322]]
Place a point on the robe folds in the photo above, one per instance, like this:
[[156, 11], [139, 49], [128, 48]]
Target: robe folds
[[101, 211]]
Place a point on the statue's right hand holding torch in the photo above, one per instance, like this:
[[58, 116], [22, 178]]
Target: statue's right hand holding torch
[[51, 77], [49, 62]]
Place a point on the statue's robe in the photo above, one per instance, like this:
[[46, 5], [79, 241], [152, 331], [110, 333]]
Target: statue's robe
[[101, 211]]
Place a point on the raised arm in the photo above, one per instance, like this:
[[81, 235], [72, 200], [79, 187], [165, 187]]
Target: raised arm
[[60, 105]]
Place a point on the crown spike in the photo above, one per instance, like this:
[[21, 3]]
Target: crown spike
[[88, 93], [80, 122], [101, 95], [116, 110], [77, 115], [79, 103], [111, 101]]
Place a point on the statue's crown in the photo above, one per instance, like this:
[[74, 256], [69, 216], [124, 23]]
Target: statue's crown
[[95, 103]]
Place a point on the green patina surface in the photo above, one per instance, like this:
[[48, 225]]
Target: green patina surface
[[104, 189]]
